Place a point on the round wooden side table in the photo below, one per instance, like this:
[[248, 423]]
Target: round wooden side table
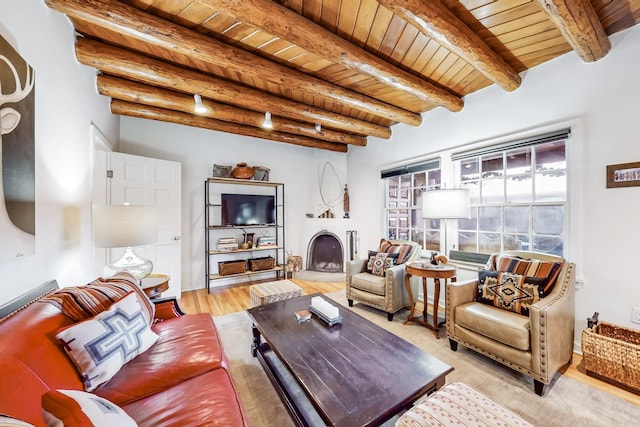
[[427, 271], [155, 284]]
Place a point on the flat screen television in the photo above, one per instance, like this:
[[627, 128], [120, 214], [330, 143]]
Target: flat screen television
[[247, 209]]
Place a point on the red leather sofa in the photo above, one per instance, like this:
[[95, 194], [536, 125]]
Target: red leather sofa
[[182, 380]]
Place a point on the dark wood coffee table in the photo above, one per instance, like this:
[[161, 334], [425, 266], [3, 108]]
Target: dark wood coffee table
[[350, 374]]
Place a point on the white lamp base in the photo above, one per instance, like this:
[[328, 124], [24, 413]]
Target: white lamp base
[[131, 263]]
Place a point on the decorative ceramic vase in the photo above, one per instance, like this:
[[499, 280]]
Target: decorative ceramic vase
[[242, 171]]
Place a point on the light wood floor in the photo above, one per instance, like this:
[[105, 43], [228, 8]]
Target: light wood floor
[[236, 298]]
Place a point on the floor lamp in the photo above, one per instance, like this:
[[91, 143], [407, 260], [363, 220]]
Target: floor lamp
[[449, 203], [125, 226]]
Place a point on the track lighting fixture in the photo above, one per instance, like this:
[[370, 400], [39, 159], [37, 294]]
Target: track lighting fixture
[[267, 124], [199, 107]]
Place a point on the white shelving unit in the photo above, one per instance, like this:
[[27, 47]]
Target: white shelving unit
[[213, 188]]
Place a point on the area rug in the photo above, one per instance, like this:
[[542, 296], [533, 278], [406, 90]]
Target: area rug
[[566, 402]]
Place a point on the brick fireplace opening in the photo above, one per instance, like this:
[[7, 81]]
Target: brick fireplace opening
[[325, 253]]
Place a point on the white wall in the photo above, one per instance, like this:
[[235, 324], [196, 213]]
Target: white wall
[[66, 103], [198, 149], [601, 102]]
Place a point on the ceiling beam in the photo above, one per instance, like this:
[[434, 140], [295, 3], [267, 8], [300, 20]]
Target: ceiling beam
[[173, 42], [578, 22], [132, 109], [126, 64], [288, 25], [435, 20], [126, 90]]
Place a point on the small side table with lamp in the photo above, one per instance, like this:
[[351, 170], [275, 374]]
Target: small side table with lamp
[[443, 204]]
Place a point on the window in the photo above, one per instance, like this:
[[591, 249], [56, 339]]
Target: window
[[403, 201], [518, 196]]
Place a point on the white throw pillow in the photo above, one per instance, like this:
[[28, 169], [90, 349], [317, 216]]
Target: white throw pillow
[[100, 346], [78, 408], [6, 421]]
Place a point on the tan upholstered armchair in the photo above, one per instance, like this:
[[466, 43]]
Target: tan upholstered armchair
[[387, 292], [537, 344]]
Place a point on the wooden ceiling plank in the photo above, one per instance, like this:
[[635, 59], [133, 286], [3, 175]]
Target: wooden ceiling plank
[[415, 50], [392, 36], [498, 8], [132, 109], [579, 24], [378, 29], [284, 23], [405, 43], [193, 15], [145, 29], [436, 20], [330, 15], [513, 19], [347, 18], [127, 90], [123, 63], [366, 15]]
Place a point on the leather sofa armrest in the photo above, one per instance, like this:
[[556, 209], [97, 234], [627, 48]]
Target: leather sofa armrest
[[396, 287], [458, 293], [167, 308], [552, 321]]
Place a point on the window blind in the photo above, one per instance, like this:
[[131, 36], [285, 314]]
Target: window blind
[[416, 167], [518, 143]]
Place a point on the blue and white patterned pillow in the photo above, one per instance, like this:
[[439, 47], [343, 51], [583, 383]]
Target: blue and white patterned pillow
[[100, 346], [79, 408]]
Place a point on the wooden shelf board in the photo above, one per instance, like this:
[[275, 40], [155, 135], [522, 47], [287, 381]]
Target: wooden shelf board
[[235, 251], [246, 273]]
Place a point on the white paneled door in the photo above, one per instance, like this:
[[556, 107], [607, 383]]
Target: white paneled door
[[145, 181]]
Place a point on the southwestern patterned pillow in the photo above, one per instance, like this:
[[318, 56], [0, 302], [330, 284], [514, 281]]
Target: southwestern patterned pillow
[[403, 250], [545, 270], [82, 409], [379, 262], [100, 346], [508, 291]]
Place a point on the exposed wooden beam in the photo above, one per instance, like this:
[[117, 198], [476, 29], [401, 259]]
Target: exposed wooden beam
[[132, 109], [171, 41], [435, 20], [288, 25], [139, 93], [578, 22], [126, 64]]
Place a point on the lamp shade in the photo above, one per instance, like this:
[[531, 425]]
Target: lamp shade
[[120, 226], [446, 203]]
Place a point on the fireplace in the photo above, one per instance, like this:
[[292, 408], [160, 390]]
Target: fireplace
[[325, 253]]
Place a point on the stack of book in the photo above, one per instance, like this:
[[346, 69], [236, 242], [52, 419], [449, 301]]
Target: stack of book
[[266, 241], [227, 244]]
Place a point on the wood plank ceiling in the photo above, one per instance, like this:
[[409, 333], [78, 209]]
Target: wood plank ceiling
[[330, 72]]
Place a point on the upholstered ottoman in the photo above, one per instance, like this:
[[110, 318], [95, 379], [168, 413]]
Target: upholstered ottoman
[[460, 405], [268, 292]]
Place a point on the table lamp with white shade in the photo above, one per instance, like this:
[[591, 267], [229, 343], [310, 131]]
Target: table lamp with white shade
[[125, 226], [446, 203]]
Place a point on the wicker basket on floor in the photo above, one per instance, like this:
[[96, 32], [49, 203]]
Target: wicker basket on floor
[[612, 352]]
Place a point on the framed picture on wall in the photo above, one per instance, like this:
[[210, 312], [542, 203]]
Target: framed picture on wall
[[623, 175]]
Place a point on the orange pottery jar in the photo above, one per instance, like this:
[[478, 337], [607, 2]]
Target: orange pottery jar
[[242, 171]]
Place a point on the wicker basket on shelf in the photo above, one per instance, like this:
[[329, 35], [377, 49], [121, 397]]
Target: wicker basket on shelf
[[231, 267], [258, 264], [612, 352]]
